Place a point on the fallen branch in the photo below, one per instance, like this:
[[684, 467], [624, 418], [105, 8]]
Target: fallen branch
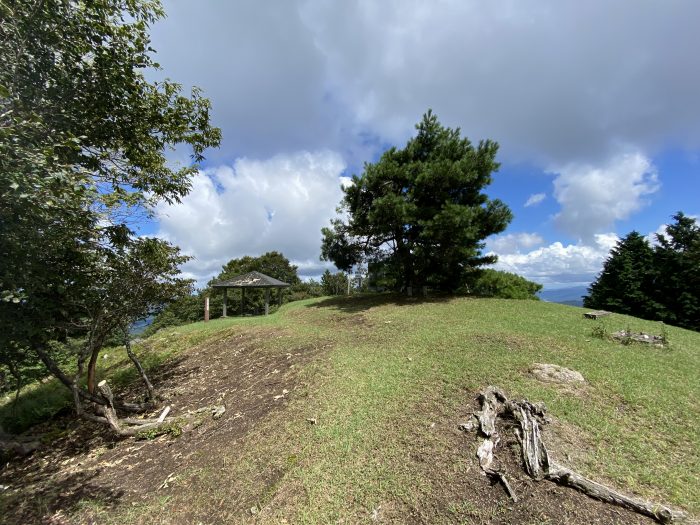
[[137, 425], [536, 462]]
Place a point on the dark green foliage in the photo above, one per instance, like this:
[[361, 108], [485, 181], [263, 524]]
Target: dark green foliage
[[418, 216], [272, 263], [660, 283], [505, 285], [83, 140], [304, 290], [626, 282], [677, 262], [191, 308], [334, 283]]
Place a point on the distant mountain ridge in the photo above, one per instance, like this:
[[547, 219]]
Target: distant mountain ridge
[[572, 296]]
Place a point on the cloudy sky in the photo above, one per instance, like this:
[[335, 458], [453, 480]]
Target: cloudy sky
[[595, 105]]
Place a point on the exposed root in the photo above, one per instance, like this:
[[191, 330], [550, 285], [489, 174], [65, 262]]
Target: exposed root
[[127, 427], [536, 462]]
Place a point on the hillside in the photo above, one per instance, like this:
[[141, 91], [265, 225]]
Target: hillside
[[347, 411]]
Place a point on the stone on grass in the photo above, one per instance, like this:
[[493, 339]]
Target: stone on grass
[[549, 373]]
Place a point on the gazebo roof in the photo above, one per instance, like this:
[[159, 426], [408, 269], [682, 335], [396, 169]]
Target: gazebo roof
[[251, 280]]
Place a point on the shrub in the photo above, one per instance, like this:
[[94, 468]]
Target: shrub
[[505, 285]]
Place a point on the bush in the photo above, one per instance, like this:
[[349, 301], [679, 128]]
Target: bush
[[505, 285]]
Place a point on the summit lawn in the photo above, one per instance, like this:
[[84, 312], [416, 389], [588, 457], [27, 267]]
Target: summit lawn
[[346, 410]]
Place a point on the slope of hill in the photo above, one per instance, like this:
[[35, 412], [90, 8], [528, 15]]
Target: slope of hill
[[347, 410]]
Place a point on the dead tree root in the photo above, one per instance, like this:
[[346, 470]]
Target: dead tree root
[[527, 418]]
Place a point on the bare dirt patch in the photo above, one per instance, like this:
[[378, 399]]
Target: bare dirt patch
[[246, 372], [456, 491]]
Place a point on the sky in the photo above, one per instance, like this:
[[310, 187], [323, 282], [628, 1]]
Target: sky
[[595, 106]]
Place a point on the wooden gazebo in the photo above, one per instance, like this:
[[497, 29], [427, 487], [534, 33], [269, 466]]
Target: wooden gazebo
[[252, 280]]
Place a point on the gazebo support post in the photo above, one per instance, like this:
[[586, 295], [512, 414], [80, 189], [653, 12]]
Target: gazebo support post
[[242, 301], [279, 296], [267, 301], [225, 301]]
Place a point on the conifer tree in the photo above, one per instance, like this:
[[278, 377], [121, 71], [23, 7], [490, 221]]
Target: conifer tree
[[419, 214], [625, 283]]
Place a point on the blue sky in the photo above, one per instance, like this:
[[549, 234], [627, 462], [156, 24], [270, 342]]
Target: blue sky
[[594, 105]]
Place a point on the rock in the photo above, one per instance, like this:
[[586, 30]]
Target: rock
[[311, 420], [217, 412], [19, 448], [549, 373], [639, 337], [596, 314]]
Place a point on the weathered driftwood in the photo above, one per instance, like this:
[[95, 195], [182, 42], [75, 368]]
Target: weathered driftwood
[[126, 427], [595, 314], [569, 478], [536, 462], [491, 401]]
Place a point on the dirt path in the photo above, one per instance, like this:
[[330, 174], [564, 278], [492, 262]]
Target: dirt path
[[83, 461]]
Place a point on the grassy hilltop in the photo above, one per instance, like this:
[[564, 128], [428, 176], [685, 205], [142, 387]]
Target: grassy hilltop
[[346, 411]]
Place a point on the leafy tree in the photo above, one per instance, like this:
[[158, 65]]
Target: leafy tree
[[274, 264], [627, 279], [305, 290], [420, 212], [505, 285], [334, 283], [191, 308], [677, 262], [83, 137]]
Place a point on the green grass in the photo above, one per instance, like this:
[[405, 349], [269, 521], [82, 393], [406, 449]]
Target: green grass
[[397, 366]]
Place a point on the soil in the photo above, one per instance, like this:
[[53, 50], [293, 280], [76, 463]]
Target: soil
[[84, 460], [254, 382], [458, 492]]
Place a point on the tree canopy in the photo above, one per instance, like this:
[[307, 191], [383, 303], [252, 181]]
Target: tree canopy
[[504, 285], [419, 214], [660, 282], [83, 144], [334, 283], [190, 308]]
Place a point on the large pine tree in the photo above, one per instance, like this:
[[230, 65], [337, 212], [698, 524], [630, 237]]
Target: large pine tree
[[419, 215]]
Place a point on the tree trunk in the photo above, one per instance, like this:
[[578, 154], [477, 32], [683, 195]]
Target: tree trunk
[[92, 365], [52, 367], [151, 394]]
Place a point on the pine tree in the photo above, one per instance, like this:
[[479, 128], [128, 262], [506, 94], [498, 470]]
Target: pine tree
[[627, 279], [677, 260], [419, 214]]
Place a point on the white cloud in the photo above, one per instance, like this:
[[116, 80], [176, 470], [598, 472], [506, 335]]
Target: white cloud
[[593, 198], [652, 237], [514, 242], [253, 207], [559, 264], [535, 199], [318, 74]]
